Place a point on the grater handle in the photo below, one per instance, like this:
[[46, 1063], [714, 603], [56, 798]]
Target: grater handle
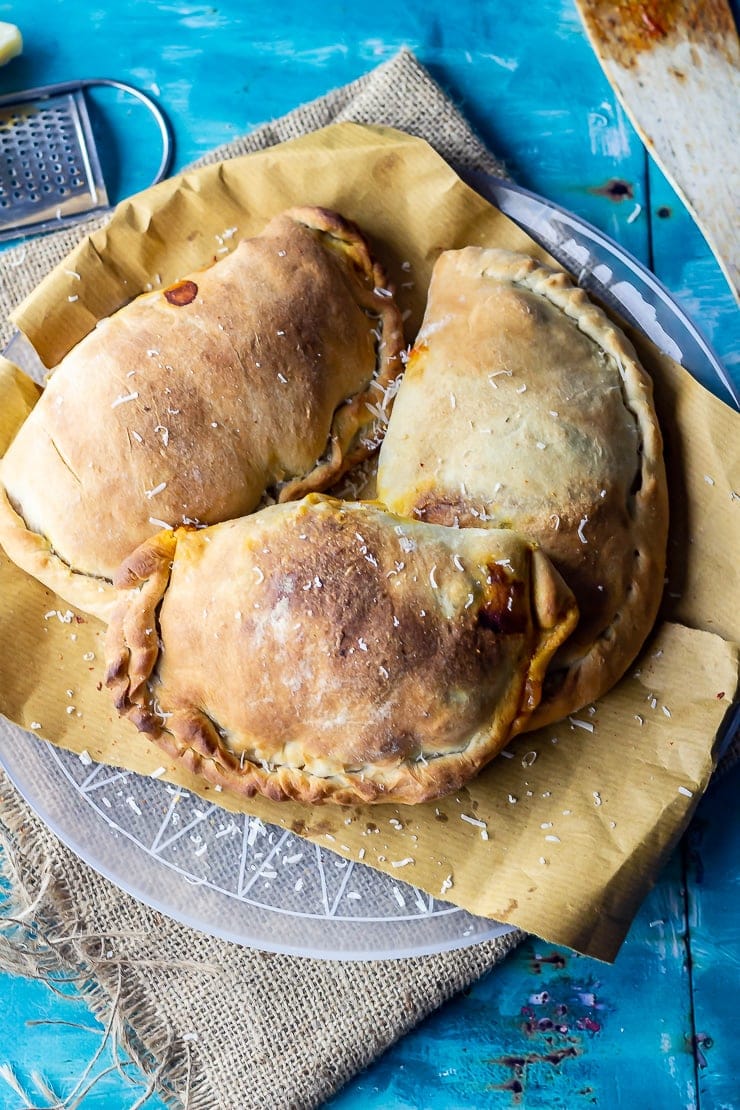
[[159, 117], [108, 82]]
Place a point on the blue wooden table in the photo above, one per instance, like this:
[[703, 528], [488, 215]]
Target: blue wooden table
[[547, 1029]]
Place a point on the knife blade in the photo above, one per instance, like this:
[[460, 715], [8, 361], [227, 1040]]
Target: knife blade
[[675, 67]]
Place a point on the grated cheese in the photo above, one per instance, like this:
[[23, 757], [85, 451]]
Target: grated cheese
[[124, 398], [581, 536]]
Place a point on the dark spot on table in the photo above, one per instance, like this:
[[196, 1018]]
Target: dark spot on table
[[615, 189], [518, 1064], [664, 212], [702, 1041], [556, 959]]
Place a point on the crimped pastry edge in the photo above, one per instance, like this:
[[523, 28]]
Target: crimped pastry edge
[[132, 649]]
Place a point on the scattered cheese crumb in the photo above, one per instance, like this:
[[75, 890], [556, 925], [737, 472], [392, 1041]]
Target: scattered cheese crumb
[[587, 725], [124, 398]]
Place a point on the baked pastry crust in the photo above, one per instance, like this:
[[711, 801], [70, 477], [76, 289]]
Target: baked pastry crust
[[328, 651], [191, 403], [524, 407]]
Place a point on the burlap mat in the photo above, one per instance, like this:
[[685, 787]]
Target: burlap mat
[[213, 1025]]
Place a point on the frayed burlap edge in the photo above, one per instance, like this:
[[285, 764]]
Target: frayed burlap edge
[[40, 939]]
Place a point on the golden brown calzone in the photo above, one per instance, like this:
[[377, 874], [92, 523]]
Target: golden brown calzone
[[190, 403], [325, 650], [524, 407]]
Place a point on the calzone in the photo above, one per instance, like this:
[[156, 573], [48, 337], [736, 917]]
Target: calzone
[[328, 651], [524, 407], [190, 404]]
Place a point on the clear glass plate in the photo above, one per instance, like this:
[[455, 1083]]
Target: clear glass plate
[[234, 877]]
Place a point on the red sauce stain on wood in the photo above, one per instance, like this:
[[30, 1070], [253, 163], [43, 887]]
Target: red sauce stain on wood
[[588, 1024]]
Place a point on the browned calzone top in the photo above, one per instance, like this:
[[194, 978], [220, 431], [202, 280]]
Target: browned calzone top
[[330, 651], [192, 402], [524, 407]]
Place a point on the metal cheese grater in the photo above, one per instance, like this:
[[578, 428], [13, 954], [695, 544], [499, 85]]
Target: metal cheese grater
[[50, 173]]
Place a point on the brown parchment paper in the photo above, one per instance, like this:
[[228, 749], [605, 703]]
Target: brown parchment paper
[[565, 832]]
